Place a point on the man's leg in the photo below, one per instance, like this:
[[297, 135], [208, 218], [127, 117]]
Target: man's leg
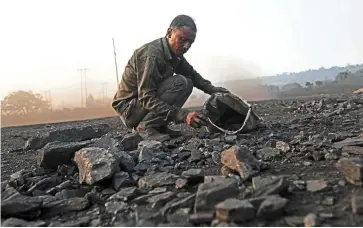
[[174, 91]]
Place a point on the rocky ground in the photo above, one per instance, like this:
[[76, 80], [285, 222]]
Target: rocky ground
[[303, 167]]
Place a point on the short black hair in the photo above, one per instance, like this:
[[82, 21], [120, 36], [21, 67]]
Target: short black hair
[[183, 20]]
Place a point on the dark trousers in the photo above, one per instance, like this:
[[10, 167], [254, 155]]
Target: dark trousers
[[174, 90]]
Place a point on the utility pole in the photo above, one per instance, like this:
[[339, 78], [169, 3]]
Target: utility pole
[[83, 85], [48, 98], [80, 70], [104, 91], [85, 81]]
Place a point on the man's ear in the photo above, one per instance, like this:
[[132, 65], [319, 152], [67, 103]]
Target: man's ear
[[168, 32]]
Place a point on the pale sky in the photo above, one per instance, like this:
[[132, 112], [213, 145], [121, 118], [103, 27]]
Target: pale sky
[[43, 43]]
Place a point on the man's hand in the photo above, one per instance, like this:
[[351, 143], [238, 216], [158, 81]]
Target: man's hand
[[193, 119], [220, 90]]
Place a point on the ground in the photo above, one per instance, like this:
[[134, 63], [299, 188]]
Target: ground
[[314, 119]]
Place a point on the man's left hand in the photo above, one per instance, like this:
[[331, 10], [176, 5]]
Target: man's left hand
[[220, 90]]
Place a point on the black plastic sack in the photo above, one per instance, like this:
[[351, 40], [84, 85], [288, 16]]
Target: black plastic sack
[[229, 114]]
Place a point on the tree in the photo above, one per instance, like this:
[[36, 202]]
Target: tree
[[342, 76], [308, 84], [318, 83], [23, 103]]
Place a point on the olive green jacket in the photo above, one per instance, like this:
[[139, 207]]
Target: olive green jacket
[[148, 66]]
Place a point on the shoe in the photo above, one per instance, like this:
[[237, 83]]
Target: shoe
[[152, 134], [169, 131]]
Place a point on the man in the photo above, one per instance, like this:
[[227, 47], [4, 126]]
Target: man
[[158, 80]]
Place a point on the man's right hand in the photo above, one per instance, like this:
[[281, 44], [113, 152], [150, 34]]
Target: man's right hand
[[193, 119]]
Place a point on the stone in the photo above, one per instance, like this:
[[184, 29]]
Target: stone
[[195, 156], [158, 190], [114, 207], [208, 179], [311, 220], [181, 183], [126, 161], [272, 207], [126, 194], [65, 206], [328, 201], [358, 141], [216, 157], [331, 156], [160, 200], [18, 176], [95, 164], [121, 180], [79, 222], [234, 210], [307, 163], [58, 153], [15, 222], [295, 221], [210, 194], [317, 185], [299, 184], [108, 191], [15, 205], [146, 154], [157, 180], [352, 169], [131, 141], [268, 153], [71, 193], [357, 150], [230, 139], [180, 218], [201, 218], [269, 185], [151, 144], [67, 135], [240, 160], [283, 146], [318, 155], [172, 206], [46, 183], [357, 203]]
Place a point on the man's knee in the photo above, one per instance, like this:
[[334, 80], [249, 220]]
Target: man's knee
[[184, 82]]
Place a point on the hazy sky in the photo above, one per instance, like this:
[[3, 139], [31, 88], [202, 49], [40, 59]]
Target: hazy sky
[[43, 43]]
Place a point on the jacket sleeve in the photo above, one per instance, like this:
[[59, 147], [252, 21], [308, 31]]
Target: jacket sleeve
[[148, 76], [199, 82]]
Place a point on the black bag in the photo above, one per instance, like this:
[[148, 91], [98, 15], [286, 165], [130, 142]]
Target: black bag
[[229, 114]]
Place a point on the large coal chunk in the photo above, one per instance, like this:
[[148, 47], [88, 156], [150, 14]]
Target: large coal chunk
[[96, 164], [67, 135], [58, 153], [65, 206]]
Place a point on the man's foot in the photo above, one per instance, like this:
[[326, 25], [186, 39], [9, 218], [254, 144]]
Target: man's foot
[[152, 134], [168, 131]]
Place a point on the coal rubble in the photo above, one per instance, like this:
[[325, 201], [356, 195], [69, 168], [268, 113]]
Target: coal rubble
[[302, 168]]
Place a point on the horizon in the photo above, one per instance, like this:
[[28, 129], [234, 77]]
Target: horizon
[[49, 41]]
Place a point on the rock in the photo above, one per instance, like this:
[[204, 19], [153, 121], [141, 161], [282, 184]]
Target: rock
[[216, 157], [114, 207], [268, 153], [269, 185], [95, 164], [208, 179], [328, 201], [126, 194], [15, 222], [131, 141], [193, 172], [15, 205], [157, 180], [172, 206], [195, 156], [240, 160], [126, 161], [47, 182], [80, 222], [234, 210], [318, 155], [18, 176], [108, 191], [230, 139], [210, 194], [306, 163], [331, 156], [201, 218], [121, 180], [358, 150], [71, 193], [299, 185], [67, 135], [65, 206], [146, 154], [151, 144], [317, 185], [294, 221], [358, 141], [158, 190], [159, 200], [58, 153], [311, 220], [180, 218], [352, 169], [272, 207], [357, 204], [283, 146]]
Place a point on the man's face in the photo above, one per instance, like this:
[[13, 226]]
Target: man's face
[[180, 40]]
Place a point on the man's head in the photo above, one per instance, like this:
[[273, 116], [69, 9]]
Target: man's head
[[181, 34]]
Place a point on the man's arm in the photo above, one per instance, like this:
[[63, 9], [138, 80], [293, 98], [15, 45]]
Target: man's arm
[[199, 82], [147, 79]]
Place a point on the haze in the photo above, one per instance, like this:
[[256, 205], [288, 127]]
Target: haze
[[43, 43]]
